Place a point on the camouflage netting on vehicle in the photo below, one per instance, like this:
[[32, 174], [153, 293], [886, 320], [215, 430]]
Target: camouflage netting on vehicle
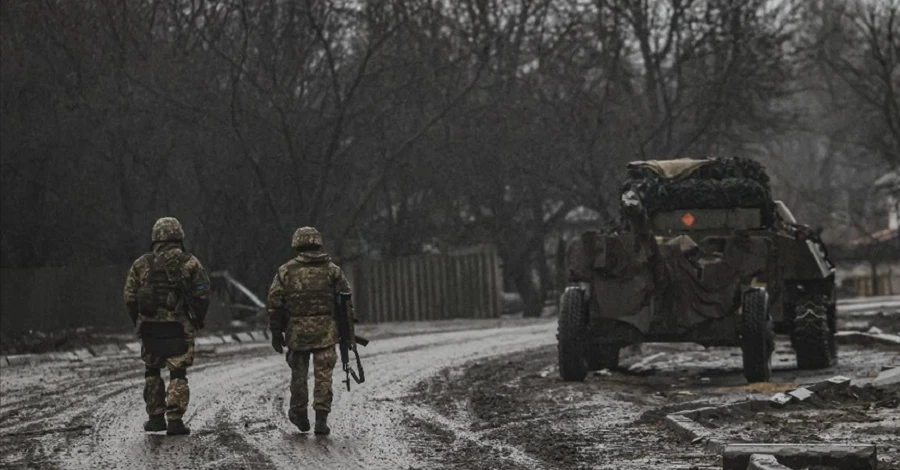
[[721, 168], [724, 183]]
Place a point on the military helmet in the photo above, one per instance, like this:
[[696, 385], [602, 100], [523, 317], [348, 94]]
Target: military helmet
[[305, 236], [167, 229]]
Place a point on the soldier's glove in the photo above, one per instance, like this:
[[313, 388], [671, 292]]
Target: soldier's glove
[[278, 341]]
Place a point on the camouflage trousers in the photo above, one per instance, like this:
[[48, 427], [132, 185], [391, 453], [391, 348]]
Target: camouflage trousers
[[323, 370], [172, 401]]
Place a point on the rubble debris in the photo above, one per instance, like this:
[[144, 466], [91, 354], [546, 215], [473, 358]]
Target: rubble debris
[[866, 339], [836, 382], [849, 457], [887, 377], [644, 364], [40, 342], [103, 349], [690, 430], [801, 394], [243, 337], [765, 462], [780, 399]]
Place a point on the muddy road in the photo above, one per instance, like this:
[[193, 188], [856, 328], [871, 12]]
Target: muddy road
[[89, 415], [486, 398], [514, 412]]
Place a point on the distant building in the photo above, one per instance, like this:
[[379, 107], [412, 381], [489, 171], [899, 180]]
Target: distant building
[[871, 263], [889, 185]]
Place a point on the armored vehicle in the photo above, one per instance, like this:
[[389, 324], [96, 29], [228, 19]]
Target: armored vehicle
[[702, 254]]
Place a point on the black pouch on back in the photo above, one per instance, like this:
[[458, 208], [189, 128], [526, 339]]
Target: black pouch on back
[[164, 339]]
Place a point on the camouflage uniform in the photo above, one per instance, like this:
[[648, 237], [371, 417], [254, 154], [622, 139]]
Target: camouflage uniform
[[301, 306], [173, 275]]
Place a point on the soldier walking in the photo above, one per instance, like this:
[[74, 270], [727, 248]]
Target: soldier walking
[[301, 317], [167, 296]]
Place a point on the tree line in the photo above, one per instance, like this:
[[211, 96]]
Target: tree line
[[398, 127]]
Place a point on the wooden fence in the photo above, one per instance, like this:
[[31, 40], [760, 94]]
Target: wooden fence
[[430, 287], [56, 298], [427, 287], [62, 298]]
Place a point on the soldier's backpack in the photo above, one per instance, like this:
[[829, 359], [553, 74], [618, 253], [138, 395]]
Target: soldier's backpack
[[164, 288]]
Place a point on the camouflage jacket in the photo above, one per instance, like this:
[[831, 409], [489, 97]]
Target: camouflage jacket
[[301, 301], [187, 273]]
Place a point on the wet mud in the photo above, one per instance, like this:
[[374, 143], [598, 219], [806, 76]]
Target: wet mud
[[487, 398], [515, 412]]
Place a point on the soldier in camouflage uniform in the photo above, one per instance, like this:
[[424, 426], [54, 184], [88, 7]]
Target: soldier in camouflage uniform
[[167, 296], [301, 317]]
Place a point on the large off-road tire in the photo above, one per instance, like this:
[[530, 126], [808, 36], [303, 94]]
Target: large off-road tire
[[757, 336], [570, 335], [813, 336], [602, 356]]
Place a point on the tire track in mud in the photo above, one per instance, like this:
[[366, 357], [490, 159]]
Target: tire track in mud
[[366, 422], [117, 440], [238, 409], [472, 414]]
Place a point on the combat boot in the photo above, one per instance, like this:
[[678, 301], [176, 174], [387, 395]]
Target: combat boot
[[177, 428], [155, 423], [322, 423], [299, 419]]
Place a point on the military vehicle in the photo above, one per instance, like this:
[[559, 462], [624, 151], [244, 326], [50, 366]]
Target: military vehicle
[[702, 254]]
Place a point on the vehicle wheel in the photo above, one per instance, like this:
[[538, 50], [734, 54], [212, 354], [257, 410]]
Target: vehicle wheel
[[570, 335], [602, 356], [757, 336], [813, 337]]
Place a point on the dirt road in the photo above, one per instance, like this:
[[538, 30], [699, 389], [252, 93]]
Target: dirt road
[[514, 412], [488, 398], [89, 415]]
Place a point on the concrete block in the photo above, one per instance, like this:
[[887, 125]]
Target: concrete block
[[837, 382], [104, 350], [685, 428], [866, 339], [23, 359], [243, 337], [257, 336], [690, 430], [63, 356], [779, 400], [887, 377], [133, 347], [205, 349], [849, 457], [207, 341], [765, 462], [3, 362], [227, 339], [801, 394], [83, 354]]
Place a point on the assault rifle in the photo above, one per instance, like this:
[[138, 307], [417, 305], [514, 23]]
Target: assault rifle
[[184, 301], [347, 340]]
